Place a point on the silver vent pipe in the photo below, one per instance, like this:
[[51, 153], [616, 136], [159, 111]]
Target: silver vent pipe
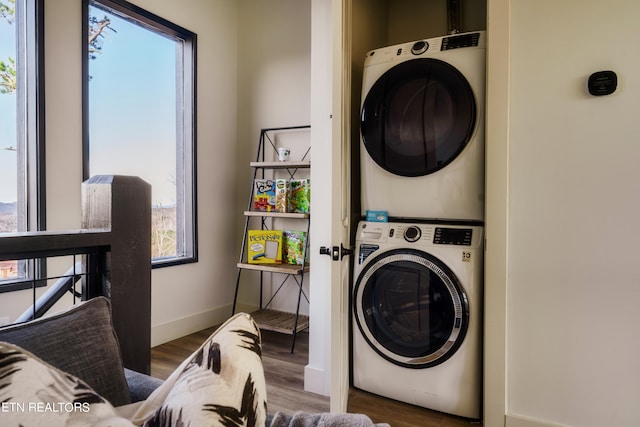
[[454, 16]]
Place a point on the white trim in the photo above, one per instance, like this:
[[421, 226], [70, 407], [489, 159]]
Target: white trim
[[496, 214], [314, 380], [512, 420], [341, 134], [186, 325]]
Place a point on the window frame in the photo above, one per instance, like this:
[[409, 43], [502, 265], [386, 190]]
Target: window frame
[[30, 134], [186, 211]]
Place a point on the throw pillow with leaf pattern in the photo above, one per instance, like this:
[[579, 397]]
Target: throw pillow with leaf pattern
[[221, 384]]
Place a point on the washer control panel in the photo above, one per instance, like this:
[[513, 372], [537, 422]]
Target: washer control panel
[[380, 233], [412, 234], [453, 236]]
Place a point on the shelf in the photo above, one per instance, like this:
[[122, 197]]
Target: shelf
[[294, 215], [281, 165], [274, 268], [279, 321], [269, 319]]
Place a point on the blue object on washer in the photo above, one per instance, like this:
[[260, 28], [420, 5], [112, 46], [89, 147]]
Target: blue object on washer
[[377, 216]]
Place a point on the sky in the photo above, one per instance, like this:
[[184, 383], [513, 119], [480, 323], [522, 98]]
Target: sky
[[132, 113], [7, 121]]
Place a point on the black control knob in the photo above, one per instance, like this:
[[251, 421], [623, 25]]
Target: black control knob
[[419, 47], [412, 234]]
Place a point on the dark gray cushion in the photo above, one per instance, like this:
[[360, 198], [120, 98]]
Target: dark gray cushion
[[140, 385], [80, 341]]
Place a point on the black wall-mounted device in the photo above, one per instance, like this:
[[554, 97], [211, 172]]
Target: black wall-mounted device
[[602, 83]]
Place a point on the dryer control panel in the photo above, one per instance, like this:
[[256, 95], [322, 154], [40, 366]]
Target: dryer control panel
[[463, 40]]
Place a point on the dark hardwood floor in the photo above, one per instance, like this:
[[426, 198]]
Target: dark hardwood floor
[[284, 374]]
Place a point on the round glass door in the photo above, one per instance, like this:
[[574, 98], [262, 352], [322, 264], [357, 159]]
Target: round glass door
[[417, 117], [411, 308]]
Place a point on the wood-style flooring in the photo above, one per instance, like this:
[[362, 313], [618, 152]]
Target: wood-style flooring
[[284, 374]]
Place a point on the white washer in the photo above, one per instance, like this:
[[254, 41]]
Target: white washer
[[422, 128], [417, 314]]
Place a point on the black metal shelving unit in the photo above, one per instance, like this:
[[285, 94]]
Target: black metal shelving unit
[[266, 318]]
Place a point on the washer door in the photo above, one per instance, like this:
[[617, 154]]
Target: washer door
[[411, 308], [417, 117]]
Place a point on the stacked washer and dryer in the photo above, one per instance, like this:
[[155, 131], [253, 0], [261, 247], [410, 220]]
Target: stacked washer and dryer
[[418, 279]]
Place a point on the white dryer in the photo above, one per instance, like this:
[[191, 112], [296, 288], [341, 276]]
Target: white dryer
[[422, 128], [417, 314]]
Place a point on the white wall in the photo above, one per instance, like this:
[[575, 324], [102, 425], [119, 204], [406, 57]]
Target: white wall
[[184, 298], [274, 72], [253, 72], [572, 280], [417, 19], [191, 297]]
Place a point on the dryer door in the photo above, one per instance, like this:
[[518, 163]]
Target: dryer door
[[411, 308], [417, 117]]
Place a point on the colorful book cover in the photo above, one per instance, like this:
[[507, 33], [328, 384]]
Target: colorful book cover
[[299, 195], [264, 246], [264, 195], [294, 243]]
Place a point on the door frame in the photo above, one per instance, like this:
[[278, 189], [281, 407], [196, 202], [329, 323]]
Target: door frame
[[341, 212], [328, 370]]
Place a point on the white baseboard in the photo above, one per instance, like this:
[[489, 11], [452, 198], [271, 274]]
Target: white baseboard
[[512, 420], [245, 308], [178, 328], [314, 381]]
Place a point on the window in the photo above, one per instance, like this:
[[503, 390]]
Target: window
[[22, 190], [140, 115]]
